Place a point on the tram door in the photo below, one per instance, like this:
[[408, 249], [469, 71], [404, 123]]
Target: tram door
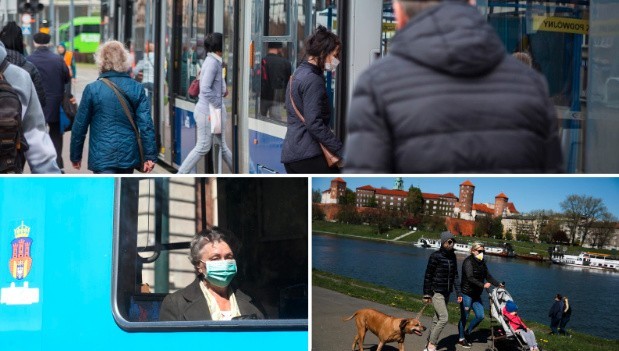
[[555, 36]]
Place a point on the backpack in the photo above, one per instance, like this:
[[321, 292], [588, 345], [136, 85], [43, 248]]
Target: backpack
[[13, 145]]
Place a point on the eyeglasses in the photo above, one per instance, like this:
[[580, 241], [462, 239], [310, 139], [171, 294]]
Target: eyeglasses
[[480, 251]]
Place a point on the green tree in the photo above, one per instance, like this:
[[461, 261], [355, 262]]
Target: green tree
[[603, 230], [316, 196], [373, 203], [349, 198], [582, 212], [414, 201]]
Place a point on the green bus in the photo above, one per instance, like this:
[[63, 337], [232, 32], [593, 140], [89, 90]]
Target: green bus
[[87, 34]]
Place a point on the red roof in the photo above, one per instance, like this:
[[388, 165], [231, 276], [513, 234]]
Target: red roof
[[339, 180], [512, 208], [482, 208], [392, 192], [502, 196], [366, 187], [467, 183], [451, 195], [430, 196]]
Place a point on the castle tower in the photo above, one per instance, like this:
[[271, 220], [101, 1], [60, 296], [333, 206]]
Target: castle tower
[[500, 204], [465, 202], [398, 184], [338, 188]]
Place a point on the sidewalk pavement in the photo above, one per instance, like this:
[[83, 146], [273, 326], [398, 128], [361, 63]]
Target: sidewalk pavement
[[331, 333]]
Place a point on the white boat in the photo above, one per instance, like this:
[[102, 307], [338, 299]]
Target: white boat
[[462, 247], [428, 243], [588, 260]]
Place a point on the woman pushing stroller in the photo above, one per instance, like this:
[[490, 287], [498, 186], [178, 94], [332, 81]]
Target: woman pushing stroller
[[510, 312]]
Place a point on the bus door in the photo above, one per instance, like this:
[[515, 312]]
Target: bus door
[[555, 36]]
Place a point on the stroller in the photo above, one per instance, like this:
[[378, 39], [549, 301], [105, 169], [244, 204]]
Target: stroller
[[502, 332]]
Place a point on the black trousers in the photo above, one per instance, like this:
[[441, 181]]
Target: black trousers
[[315, 165], [56, 135]]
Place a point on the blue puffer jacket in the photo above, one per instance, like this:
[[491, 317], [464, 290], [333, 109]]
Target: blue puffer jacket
[[112, 142], [310, 96]]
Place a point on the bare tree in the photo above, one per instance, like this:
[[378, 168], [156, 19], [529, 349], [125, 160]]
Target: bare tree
[[581, 212]]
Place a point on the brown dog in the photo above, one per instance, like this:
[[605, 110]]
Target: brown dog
[[387, 328]]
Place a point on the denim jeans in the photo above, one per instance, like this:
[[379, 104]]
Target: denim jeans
[[204, 141], [465, 307], [441, 315]]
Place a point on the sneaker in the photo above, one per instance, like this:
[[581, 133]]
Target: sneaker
[[464, 343]]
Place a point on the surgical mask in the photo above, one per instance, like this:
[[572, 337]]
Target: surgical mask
[[480, 256], [331, 66], [221, 272]]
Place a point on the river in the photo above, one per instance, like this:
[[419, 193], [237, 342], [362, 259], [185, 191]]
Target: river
[[533, 285]]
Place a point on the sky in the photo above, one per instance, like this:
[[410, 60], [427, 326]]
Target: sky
[[527, 193]]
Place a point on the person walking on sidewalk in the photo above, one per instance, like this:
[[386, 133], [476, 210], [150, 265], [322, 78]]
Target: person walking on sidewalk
[[475, 278], [210, 106], [55, 75], [113, 147], [441, 278]]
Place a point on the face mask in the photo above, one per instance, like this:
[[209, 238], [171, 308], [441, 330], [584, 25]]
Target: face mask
[[480, 256], [331, 66], [221, 272]]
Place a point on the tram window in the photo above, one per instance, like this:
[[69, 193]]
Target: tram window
[[157, 218], [277, 17]]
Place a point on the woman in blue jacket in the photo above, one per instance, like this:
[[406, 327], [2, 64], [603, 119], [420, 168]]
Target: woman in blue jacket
[[113, 145], [301, 152]]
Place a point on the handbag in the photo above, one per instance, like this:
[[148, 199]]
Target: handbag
[[215, 118], [69, 108], [332, 159], [194, 88], [125, 107]]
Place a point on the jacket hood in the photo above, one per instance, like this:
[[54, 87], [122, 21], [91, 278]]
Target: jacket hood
[[451, 37]]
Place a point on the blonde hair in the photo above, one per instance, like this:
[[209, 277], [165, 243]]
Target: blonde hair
[[112, 56], [476, 246], [566, 303]]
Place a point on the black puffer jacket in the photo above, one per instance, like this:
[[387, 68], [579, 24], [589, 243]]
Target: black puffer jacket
[[474, 274], [449, 99], [441, 273], [18, 59]]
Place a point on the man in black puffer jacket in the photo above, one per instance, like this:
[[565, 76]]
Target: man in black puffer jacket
[[440, 280], [475, 278], [449, 99]]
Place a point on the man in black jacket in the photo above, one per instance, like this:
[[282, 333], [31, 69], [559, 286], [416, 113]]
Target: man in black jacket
[[275, 72], [440, 280], [475, 278], [449, 99]]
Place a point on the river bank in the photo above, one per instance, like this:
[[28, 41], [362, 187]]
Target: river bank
[[412, 303], [405, 236]]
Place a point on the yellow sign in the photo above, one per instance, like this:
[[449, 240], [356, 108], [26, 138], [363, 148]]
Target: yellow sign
[[561, 24], [388, 27]]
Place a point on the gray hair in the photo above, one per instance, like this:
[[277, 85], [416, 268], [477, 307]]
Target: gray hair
[[112, 56], [207, 236]]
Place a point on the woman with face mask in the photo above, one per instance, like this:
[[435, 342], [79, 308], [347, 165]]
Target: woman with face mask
[[475, 278], [308, 108], [211, 296]]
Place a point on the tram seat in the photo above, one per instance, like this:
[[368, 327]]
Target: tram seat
[[145, 307]]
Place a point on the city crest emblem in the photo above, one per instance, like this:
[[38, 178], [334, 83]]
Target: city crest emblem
[[19, 266], [20, 261]]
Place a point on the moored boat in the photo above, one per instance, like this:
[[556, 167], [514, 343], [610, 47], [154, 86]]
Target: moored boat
[[531, 256], [428, 243], [588, 260]]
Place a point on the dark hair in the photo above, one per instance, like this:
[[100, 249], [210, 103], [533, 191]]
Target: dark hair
[[214, 42], [12, 37], [320, 44], [214, 234]]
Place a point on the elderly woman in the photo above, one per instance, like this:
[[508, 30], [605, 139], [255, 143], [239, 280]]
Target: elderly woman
[[114, 145], [210, 296]]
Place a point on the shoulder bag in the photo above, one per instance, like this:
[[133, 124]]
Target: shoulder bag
[[123, 103], [332, 159]]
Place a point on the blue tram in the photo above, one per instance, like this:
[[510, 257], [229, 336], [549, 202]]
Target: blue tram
[[87, 262]]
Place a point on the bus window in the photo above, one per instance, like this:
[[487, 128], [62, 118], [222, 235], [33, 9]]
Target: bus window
[[157, 219], [192, 52]]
